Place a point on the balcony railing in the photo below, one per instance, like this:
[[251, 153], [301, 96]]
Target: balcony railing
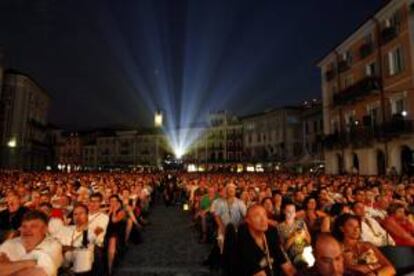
[[362, 88], [365, 50], [388, 34], [397, 127], [364, 136]]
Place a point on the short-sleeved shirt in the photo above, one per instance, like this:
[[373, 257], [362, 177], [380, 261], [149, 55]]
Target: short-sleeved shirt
[[230, 213], [252, 259], [48, 253], [205, 202]]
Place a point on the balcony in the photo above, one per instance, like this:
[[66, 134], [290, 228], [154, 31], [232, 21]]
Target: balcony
[[365, 50], [397, 127], [335, 141], [388, 34], [362, 88], [330, 75], [343, 66], [364, 136]]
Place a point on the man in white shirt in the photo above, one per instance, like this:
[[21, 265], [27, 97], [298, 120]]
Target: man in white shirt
[[98, 221], [33, 253], [371, 230], [78, 241]]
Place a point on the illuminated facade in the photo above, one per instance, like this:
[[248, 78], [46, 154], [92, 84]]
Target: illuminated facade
[[274, 135], [368, 100], [24, 136]]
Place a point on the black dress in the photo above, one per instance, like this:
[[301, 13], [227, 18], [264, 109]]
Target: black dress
[[116, 229]]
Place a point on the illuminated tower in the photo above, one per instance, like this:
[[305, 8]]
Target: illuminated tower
[[158, 119]]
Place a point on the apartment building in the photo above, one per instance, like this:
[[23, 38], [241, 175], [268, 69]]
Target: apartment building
[[367, 91]]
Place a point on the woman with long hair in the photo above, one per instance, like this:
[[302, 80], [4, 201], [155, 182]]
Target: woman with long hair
[[116, 228]]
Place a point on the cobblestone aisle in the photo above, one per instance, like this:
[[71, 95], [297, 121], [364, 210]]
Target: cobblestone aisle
[[170, 247]]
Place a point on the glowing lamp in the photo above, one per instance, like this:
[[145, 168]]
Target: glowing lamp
[[186, 207], [12, 143], [404, 113]]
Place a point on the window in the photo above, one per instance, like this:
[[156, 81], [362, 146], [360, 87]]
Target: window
[[370, 69], [349, 80], [399, 105], [395, 62], [347, 56], [374, 113], [394, 20]]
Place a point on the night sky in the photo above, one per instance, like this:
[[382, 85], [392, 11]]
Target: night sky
[[112, 63]]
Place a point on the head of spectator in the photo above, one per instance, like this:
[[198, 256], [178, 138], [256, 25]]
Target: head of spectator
[[115, 203], [400, 191], [277, 200], [211, 192], [347, 226], [298, 197], [268, 206], [94, 203], [13, 202], [398, 211], [289, 211], [359, 195], [33, 229], [44, 197], [46, 208], [329, 259], [359, 209], [382, 202], [256, 219], [310, 204], [80, 215], [231, 191]]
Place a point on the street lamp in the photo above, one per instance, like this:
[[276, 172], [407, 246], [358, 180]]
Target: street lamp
[[12, 143]]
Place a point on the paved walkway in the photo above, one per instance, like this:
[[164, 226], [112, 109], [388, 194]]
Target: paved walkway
[[170, 247]]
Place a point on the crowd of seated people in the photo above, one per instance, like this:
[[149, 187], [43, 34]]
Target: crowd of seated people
[[353, 216], [259, 224], [70, 224]]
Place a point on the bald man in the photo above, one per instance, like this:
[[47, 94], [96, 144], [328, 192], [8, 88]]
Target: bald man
[[329, 259], [259, 250]]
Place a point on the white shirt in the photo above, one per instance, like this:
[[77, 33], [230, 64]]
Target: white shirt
[[375, 213], [69, 236], [101, 220], [48, 253], [54, 226], [371, 231]]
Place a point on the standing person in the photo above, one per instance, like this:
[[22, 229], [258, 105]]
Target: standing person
[[33, 253], [259, 251], [229, 212], [116, 229], [204, 213]]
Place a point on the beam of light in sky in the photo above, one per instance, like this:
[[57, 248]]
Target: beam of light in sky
[[210, 74]]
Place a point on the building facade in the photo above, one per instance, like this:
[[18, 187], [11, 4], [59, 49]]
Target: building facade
[[25, 140], [273, 136], [312, 129], [368, 101]]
